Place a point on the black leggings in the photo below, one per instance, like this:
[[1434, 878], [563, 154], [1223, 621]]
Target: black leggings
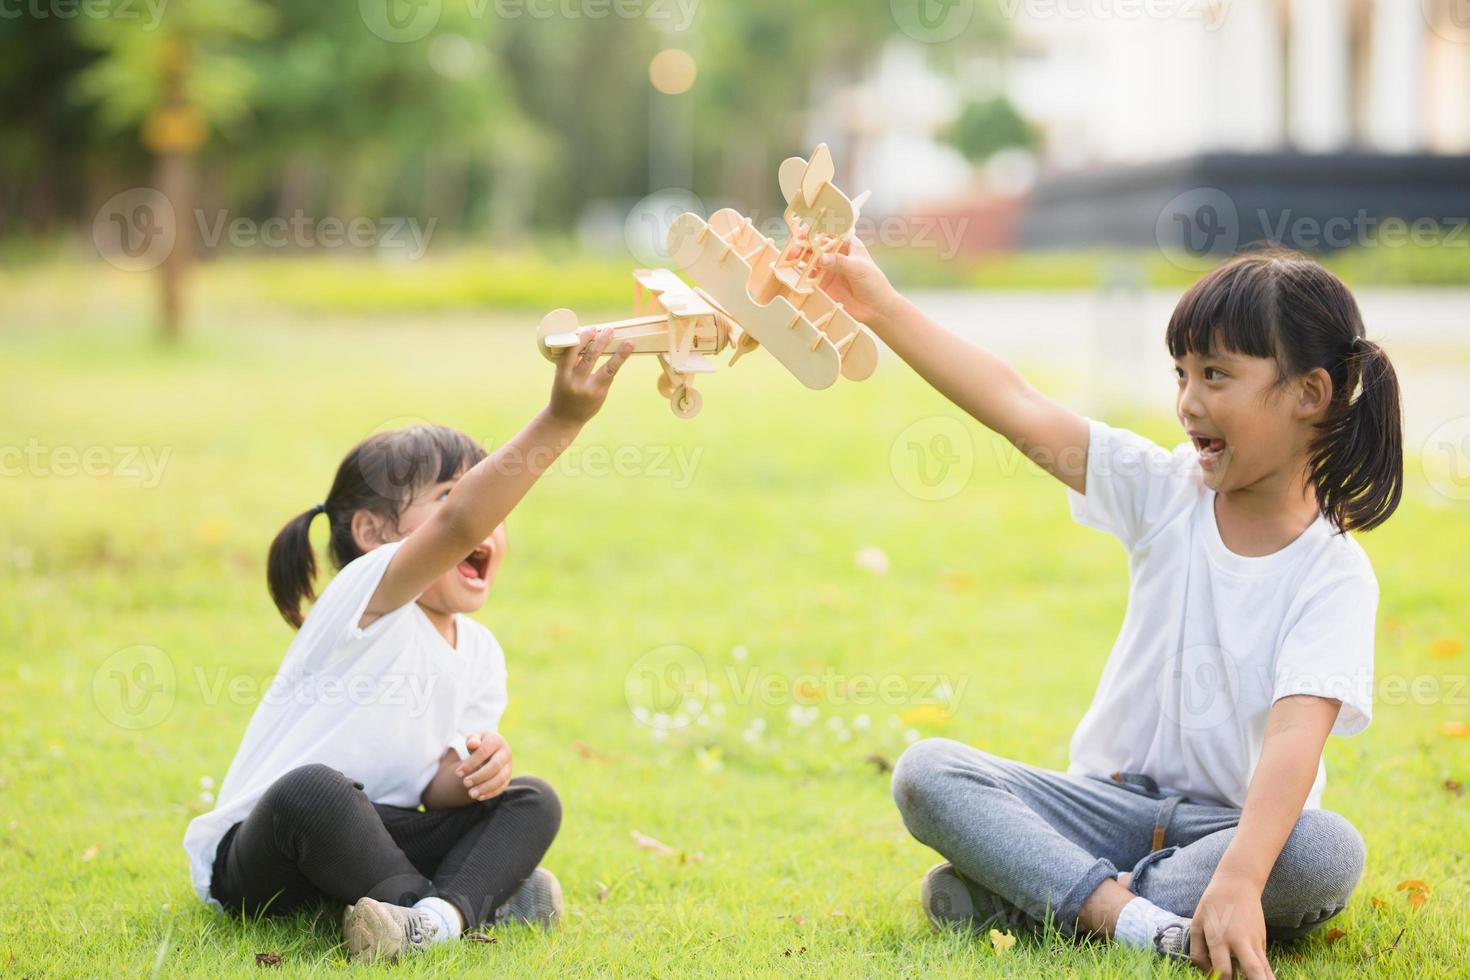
[[314, 834]]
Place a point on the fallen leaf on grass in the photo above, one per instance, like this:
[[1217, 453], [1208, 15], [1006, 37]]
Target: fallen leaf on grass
[[271, 959], [1455, 729], [1378, 903], [1445, 647], [799, 950], [650, 844], [925, 714], [91, 852], [1333, 935], [659, 847], [1001, 941], [588, 752], [602, 891], [956, 581], [1453, 785], [1418, 891], [880, 763], [480, 937]]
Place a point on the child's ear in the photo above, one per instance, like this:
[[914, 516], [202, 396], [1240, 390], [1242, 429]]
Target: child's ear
[[368, 530], [1315, 393]]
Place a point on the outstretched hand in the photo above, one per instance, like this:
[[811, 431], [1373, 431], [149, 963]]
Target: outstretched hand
[[852, 278], [580, 387]]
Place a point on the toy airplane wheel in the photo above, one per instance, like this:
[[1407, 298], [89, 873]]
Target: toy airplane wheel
[[556, 322], [686, 402]]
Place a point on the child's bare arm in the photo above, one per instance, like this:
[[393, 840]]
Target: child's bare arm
[[485, 496], [1047, 432], [482, 775], [1229, 920]]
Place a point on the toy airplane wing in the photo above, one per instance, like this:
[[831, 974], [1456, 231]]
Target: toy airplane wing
[[688, 362]]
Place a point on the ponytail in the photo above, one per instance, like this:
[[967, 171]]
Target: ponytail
[[1285, 306], [1356, 460], [291, 566], [380, 475]]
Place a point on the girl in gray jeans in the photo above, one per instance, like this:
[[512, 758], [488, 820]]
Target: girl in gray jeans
[[1188, 821]]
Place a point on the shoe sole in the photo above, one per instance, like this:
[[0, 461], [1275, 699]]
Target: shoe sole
[[945, 898], [371, 933], [948, 901]]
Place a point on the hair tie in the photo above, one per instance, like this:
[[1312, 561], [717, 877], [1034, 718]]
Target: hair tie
[[318, 509]]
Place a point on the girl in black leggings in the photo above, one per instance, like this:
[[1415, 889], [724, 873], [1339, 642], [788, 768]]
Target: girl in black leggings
[[373, 772]]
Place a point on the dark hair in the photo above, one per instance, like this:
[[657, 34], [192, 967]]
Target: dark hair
[[381, 475], [1283, 305]]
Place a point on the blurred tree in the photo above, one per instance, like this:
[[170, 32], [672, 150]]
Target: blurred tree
[[173, 79], [496, 118], [984, 128]]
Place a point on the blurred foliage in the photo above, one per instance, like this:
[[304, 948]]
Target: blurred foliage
[[502, 117], [984, 128]]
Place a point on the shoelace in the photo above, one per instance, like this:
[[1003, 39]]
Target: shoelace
[[417, 928], [1173, 940]]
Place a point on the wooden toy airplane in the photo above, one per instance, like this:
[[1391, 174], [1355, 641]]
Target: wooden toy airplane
[[751, 294]]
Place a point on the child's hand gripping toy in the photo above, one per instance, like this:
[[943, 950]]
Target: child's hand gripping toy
[[749, 294]]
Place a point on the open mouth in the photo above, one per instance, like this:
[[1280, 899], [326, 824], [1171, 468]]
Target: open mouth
[[1210, 448], [475, 566]]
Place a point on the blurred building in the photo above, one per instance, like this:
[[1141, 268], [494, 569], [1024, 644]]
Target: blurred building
[[1284, 113], [1244, 76]]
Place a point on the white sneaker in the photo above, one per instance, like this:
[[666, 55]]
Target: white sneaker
[[375, 930]]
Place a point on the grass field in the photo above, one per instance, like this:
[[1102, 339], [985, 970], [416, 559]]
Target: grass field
[[143, 486]]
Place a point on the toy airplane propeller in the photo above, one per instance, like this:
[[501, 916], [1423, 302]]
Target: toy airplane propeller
[[750, 294]]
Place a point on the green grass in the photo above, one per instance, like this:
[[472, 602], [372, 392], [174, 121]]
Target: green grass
[[793, 859], [555, 272]]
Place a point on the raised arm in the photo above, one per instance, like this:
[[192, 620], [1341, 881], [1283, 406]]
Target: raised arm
[[485, 495], [1045, 431]]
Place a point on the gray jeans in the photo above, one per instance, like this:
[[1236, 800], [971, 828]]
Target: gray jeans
[[1045, 840]]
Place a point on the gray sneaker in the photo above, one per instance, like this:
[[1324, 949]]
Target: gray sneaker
[[949, 898], [537, 902], [375, 930], [1172, 941]]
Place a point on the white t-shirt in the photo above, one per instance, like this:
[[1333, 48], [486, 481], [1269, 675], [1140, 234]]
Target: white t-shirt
[[379, 704], [1211, 638]]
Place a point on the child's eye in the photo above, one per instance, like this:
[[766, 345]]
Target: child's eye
[[1218, 374], [443, 495]]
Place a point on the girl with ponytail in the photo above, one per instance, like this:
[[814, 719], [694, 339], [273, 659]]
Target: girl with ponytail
[[1188, 821], [372, 773]]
